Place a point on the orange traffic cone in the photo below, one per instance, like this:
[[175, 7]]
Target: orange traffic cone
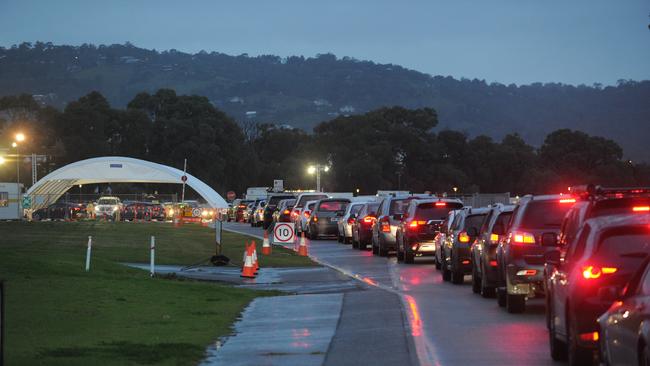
[[266, 246], [302, 248], [248, 270], [255, 262]]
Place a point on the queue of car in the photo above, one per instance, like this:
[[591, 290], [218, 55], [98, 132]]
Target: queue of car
[[586, 253]]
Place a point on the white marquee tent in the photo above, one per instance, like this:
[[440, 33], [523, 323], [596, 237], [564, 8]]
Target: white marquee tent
[[114, 169]]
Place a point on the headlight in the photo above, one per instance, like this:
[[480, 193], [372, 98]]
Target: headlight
[[115, 209]]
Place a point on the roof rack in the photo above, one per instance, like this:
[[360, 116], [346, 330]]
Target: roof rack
[[593, 191]]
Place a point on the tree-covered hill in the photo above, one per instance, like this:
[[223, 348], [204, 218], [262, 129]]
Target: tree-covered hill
[[304, 91]]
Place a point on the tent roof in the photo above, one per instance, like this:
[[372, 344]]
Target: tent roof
[[117, 169]]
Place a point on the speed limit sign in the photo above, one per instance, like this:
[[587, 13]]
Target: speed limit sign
[[283, 233]]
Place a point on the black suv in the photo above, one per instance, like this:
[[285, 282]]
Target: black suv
[[421, 223], [271, 206], [607, 252], [533, 231], [464, 231], [484, 250]]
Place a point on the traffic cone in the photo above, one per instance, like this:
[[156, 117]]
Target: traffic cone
[[302, 249], [266, 246], [248, 270], [255, 262]]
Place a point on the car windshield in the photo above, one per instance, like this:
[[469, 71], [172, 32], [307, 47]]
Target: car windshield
[[273, 201], [332, 206], [431, 211], [309, 197], [399, 206], [617, 206], [355, 209], [625, 248], [107, 201], [544, 214]]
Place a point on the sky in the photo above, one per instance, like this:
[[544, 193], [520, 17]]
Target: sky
[[507, 41]]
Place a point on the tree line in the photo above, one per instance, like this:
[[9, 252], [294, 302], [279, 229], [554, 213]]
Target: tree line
[[387, 148]]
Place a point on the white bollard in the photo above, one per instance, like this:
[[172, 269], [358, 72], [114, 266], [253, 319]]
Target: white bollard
[[90, 244], [153, 253]]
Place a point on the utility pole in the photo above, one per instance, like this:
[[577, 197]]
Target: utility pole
[[184, 175]]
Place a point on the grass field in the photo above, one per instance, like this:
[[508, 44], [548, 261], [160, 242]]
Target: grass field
[[57, 314]]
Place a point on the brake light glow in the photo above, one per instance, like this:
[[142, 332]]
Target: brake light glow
[[527, 272], [590, 337], [463, 237], [494, 237], [641, 208], [385, 225], [315, 219], [592, 272], [368, 219], [286, 212], [415, 224], [307, 214], [493, 263], [351, 221], [568, 200], [523, 238], [465, 261], [441, 204]]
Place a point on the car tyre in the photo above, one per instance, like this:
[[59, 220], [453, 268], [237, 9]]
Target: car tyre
[[446, 274], [577, 354], [375, 250], [457, 277], [501, 296], [476, 282], [383, 251], [644, 354], [409, 257], [515, 304], [557, 347], [400, 254]]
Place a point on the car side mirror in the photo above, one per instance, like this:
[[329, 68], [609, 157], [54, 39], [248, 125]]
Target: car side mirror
[[549, 240], [472, 232], [499, 229], [399, 217], [610, 293], [553, 257]]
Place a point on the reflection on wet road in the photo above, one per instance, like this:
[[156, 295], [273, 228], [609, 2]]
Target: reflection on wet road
[[449, 324]]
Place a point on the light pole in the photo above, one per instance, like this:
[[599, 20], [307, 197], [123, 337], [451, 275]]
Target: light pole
[[317, 169], [20, 137]]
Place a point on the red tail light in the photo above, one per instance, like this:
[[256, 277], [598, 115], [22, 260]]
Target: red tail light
[[368, 219], [594, 272], [465, 261], [385, 224], [351, 221], [568, 200], [415, 224], [494, 238], [519, 237], [286, 212], [463, 237], [641, 208], [307, 214], [441, 204], [590, 337], [315, 219], [493, 263]]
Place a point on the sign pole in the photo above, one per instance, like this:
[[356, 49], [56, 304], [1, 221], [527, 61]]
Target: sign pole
[[184, 178]]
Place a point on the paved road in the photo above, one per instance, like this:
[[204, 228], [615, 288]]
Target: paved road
[[449, 325]]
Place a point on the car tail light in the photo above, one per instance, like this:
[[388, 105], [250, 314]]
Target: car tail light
[[315, 218], [465, 261], [368, 219], [414, 247], [568, 200], [590, 337], [351, 220], [641, 208], [493, 263], [385, 224], [594, 272], [307, 214], [463, 237], [519, 237], [286, 212], [441, 204], [527, 272], [494, 238], [416, 224]]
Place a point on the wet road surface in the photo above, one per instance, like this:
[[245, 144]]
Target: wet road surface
[[449, 324]]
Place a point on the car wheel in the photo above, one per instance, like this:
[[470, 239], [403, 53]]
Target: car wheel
[[446, 273], [476, 282], [383, 251], [438, 264], [577, 354], [457, 277], [644, 354], [515, 303], [400, 254], [486, 291], [362, 245], [409, 257], [355, 244], [375, 250], [558, 348], [501, 296]]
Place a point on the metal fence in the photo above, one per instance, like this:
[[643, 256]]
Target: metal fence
[[483, 199]]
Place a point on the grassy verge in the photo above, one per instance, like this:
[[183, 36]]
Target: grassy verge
[[57, 314]]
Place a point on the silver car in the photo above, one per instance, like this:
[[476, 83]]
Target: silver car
[[345, 225], [389, 216]]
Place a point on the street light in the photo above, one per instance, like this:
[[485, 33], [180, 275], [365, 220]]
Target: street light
[[317, 169], [2, 160], [20, 137]]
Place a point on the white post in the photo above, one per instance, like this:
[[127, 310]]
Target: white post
[[90, 244], [153, 253], [184, 174]]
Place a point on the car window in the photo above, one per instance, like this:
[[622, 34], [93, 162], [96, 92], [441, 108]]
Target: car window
[[332, 206], [488, 219], [273, 201], [399, 206], [474, 221], [430, 211], [544, 214], [624, 248], [645, 284], [309, 197], [576, 250], [371, 208], [457, 220], [503, 219], [355, 209]]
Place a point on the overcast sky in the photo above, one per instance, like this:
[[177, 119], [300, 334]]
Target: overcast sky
[[520, 41]]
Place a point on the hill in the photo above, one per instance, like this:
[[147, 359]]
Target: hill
[[303, 91]]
